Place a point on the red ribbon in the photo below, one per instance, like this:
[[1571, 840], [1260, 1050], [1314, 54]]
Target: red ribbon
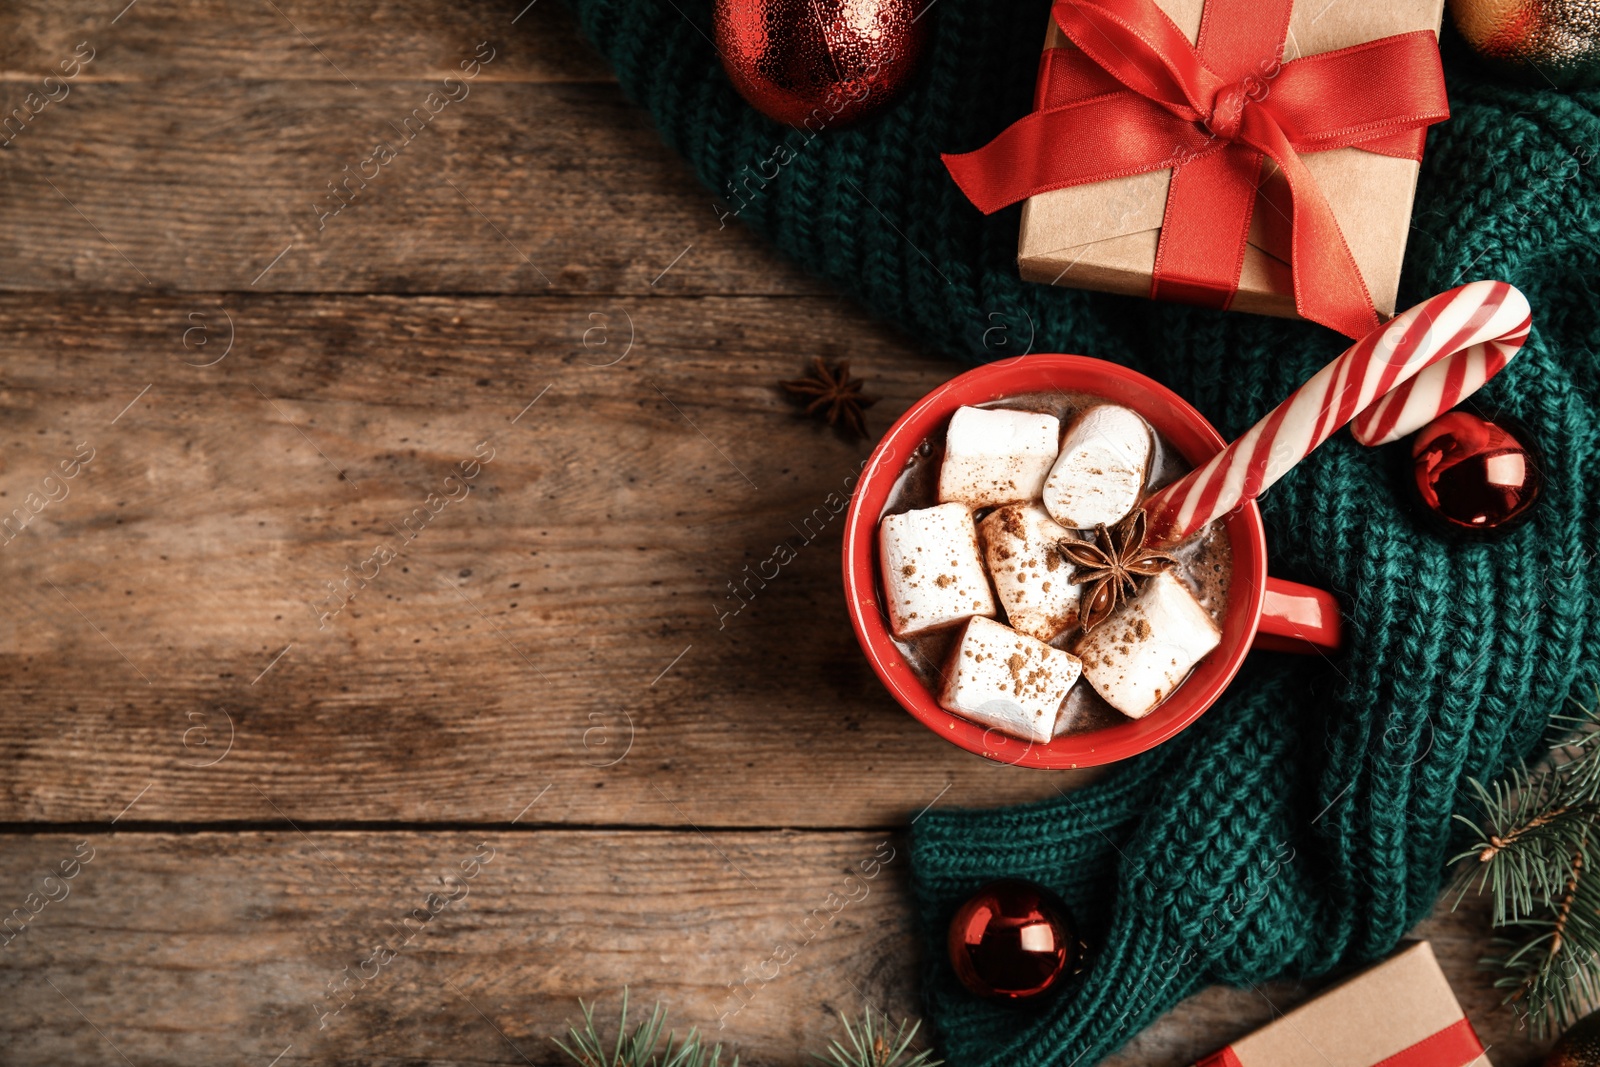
[[1136, 96], [1455, 1046]]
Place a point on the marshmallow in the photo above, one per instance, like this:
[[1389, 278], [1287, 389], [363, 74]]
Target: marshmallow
[[1032, 579], [1146, 648], [1100, 472], [932, 572], [1008, 681], [996, 456]]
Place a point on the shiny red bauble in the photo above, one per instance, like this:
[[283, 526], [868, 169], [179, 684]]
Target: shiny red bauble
[[1013, 940], [817, 64], [1542, 42], [1579, 1046], [1474, 476]]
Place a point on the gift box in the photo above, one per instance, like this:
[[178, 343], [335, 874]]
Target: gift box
[[1400, 1013], [1334, 100]]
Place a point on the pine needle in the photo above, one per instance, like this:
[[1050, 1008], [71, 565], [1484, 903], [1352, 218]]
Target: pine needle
[[1533, 852], [872, 1046], [638, 1048]]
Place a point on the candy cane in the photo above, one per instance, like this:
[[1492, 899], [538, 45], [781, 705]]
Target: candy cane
[[1402, 375]]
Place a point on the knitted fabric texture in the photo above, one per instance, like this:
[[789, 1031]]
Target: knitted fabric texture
[[1303, 823]]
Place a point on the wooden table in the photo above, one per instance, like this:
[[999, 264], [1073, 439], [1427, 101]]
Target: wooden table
[[276, 668]]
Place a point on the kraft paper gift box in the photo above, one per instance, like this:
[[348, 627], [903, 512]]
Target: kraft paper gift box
[[1399, 1013], [1103, 236]]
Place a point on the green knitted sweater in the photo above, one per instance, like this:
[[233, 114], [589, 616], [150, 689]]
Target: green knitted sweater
[[1304, 822]]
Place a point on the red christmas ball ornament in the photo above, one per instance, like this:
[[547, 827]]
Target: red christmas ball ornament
[[816, 64], [1473, 475], [1542, 42], [1579, 1046], [1013, 940]]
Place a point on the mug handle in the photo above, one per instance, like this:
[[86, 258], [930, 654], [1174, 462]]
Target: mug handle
[[1298, 618]]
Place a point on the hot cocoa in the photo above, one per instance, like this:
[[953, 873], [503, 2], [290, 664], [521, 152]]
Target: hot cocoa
[[994, 494]]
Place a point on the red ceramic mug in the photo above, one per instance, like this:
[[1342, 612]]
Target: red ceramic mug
[[1262, 612]]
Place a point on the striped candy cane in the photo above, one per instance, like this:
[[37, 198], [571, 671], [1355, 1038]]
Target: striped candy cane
[[1401, 376]]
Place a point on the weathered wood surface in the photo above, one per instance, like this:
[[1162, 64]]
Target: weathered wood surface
[[220, 948], [518, 188], [582, 584], [201, 140], [544, 666], [294, 40]]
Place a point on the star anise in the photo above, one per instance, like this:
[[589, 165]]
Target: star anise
[[1110, 566], [830, 393]]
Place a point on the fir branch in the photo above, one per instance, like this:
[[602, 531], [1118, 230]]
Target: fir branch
[[872, 1046], [1532, 851], [638, 1048], [1550, 971], [1533, 825]]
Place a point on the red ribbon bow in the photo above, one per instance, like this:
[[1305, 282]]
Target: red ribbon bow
[[1137, 96]]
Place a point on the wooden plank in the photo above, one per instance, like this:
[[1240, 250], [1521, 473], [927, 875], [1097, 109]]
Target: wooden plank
[[582, 584], [207, 948], [328, 187], [221, 947], [290, 40]]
